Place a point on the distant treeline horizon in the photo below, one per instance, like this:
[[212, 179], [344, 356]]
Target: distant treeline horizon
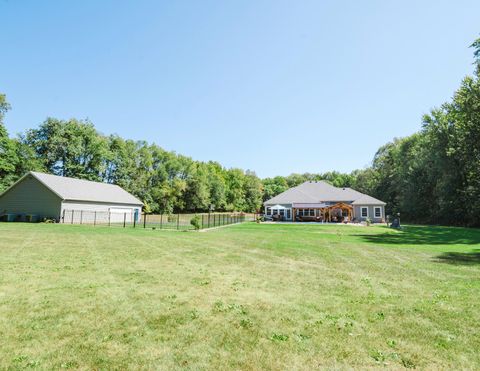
[[431, 177]]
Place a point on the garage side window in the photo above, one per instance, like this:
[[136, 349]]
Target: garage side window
[[378, 212], [269, 211]]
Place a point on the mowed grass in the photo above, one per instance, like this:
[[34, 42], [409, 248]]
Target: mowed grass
[[242, 297]]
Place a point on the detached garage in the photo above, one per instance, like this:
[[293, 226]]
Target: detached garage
[[38, 195]]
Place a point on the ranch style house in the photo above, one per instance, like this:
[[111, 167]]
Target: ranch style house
[[36, 196], [320, 201]]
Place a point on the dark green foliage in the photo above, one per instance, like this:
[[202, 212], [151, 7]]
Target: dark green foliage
[[433, 176], [196, 222]]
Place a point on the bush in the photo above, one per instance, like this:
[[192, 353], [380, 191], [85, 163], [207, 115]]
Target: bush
[[368, 221], [195, 221]]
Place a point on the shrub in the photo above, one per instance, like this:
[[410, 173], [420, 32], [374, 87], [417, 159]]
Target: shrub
[[195, 221], [368, 221]]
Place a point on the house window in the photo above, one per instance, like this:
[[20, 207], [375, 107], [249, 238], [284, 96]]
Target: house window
[[269, 211], [364, 212], [275, 211], [378, 212], [282, 212], [289, 215]]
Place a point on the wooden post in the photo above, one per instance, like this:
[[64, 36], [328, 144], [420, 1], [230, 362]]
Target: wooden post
[[109, 217], [178, 221], [95, 218], [134, 220], [124, 219], [81, 216], [63, 217], [161, 220], [72, 217], [144, 220]]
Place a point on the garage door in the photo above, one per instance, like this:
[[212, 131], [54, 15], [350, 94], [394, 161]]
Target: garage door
[[119, 214]]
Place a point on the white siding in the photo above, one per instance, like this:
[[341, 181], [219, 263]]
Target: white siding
[[371, 214]]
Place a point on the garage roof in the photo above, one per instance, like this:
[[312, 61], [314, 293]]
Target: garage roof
[[85, 190]]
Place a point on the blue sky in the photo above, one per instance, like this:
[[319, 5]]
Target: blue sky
[[272, 86]]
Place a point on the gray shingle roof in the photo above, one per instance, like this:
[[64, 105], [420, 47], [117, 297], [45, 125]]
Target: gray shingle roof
[[86, 190], [367, 200], [317, 192]]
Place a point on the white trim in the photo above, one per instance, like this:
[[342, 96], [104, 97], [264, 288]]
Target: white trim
[[361, 211], [375, 214]]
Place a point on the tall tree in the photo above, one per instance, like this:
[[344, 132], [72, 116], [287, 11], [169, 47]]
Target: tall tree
[[8, 153], [70, 148]]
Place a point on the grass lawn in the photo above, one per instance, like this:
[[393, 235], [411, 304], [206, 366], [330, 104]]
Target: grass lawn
[[242, 297]]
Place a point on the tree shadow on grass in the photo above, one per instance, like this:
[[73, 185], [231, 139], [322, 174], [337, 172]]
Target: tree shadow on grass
[[460, 258], [424, 235]]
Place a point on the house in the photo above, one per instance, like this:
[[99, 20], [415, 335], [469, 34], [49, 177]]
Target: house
[[320, 201], [49, 196]]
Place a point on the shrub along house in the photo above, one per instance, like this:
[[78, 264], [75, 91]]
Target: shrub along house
[[38, 195], [320, 201]]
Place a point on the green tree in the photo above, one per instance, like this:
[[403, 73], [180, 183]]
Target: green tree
[[8, 150], [253, 190], [70, 148]]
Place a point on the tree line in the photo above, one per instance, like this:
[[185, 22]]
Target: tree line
[[165, 181], [432, 176]]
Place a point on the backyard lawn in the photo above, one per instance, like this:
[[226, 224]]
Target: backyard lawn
[[246, 296]]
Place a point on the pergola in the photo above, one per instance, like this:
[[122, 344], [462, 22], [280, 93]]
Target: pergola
[[343, 207]]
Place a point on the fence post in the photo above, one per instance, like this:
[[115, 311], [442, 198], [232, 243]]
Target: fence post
[[178, 221], [72, 218], [144, 220], [161, 220], [209, 219], [95, 218], [109, 217], [63, 217], [124, 219], [81, 216], [134, 220]]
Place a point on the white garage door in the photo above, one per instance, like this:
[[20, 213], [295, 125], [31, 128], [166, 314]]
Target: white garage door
[[119, 214]]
